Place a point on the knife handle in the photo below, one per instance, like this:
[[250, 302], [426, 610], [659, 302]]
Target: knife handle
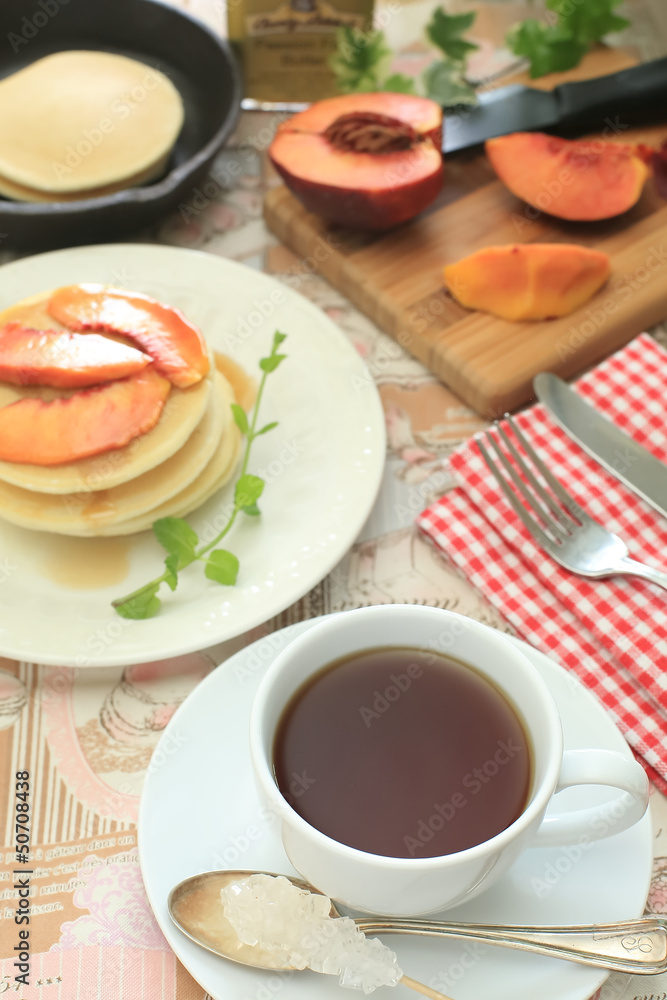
[[634, 94]]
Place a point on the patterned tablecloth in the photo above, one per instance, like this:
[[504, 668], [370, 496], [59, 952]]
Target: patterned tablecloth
[[83, 739]]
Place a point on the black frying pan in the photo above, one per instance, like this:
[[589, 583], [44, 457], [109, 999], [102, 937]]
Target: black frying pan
[[199, 64]]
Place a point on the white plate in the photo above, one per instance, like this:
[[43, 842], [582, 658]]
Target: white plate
[[199, 811], [323, 465]]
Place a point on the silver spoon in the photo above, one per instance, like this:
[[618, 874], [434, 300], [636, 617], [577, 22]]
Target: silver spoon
[[637, 946]]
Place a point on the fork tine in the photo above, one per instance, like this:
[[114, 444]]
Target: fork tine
[[555, 485], [530, 523], [563, 524], [548, 523]]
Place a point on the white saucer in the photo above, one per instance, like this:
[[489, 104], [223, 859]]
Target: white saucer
[[199, 811]]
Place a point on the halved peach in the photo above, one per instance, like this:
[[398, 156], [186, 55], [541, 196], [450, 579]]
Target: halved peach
[[63, 360], [530, 281], [36, 432], [367, 161], [580, 180], [175, 345]]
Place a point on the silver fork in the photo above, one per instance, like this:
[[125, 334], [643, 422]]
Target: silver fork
[[555, 520]]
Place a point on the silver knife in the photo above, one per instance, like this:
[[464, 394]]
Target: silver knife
[[630, 462]]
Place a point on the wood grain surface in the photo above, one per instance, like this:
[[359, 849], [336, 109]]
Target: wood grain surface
[[396, 278]]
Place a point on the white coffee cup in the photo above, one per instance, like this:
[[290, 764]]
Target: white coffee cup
[[411, 886]]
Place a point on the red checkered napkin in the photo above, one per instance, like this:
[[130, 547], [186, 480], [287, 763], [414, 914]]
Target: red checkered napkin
[[611, 633]]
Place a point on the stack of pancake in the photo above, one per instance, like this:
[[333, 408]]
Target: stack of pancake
[[84, 124], [171, 469]]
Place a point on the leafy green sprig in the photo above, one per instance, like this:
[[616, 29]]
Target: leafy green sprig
[[562, 45], [180, 540], [362, 59]]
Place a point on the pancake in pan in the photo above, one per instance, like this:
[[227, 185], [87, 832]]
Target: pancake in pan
[[81, 122]]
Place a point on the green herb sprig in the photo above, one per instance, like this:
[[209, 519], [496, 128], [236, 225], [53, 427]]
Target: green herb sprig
[[362, 59], [560, 46], [180, 540]]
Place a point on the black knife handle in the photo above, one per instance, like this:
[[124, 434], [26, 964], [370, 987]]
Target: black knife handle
[[638, 94]]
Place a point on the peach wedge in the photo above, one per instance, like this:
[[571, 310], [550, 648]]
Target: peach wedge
[[579, 180], [175, 345], [64, 360], [531, 281], [91, 421]]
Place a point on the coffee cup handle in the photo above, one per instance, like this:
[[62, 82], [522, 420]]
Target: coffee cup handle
[[596, 767]]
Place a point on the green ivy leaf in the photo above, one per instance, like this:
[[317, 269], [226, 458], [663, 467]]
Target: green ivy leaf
[[550, 48], [143, 604], [359, 60], [588, 22], [553, 48], [445, 31], [444, 83], [223, 567], [177, 537], [398, 83]]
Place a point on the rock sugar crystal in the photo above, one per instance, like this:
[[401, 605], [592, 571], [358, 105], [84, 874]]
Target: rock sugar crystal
[[294, 925]]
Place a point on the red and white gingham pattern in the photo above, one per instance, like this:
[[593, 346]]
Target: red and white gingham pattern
[[611, 633]]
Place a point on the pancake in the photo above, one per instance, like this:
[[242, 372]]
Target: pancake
[[82, 121], [87, 513], [182, 412], [19, 192], [217, 473]]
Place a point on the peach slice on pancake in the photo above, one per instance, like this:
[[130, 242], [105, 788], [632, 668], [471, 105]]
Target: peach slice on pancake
[[64, 360], [176, 346], [89, 514], [182, 412], [37, 432]]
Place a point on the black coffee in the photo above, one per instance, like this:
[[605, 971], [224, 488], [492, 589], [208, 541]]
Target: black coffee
[[403, 752]]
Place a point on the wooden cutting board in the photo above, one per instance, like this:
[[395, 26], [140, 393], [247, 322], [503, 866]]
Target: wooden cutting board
[[396, 278]]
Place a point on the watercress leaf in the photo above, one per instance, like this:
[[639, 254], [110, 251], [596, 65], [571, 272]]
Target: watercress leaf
[[278, 338], [248, 490], [445, 31], [399, 83], [267, 427], [177, 537], [252, 509], [143, 604], [271, 363], [222, 566], [444, 83], [240, 418], [171, 571]]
